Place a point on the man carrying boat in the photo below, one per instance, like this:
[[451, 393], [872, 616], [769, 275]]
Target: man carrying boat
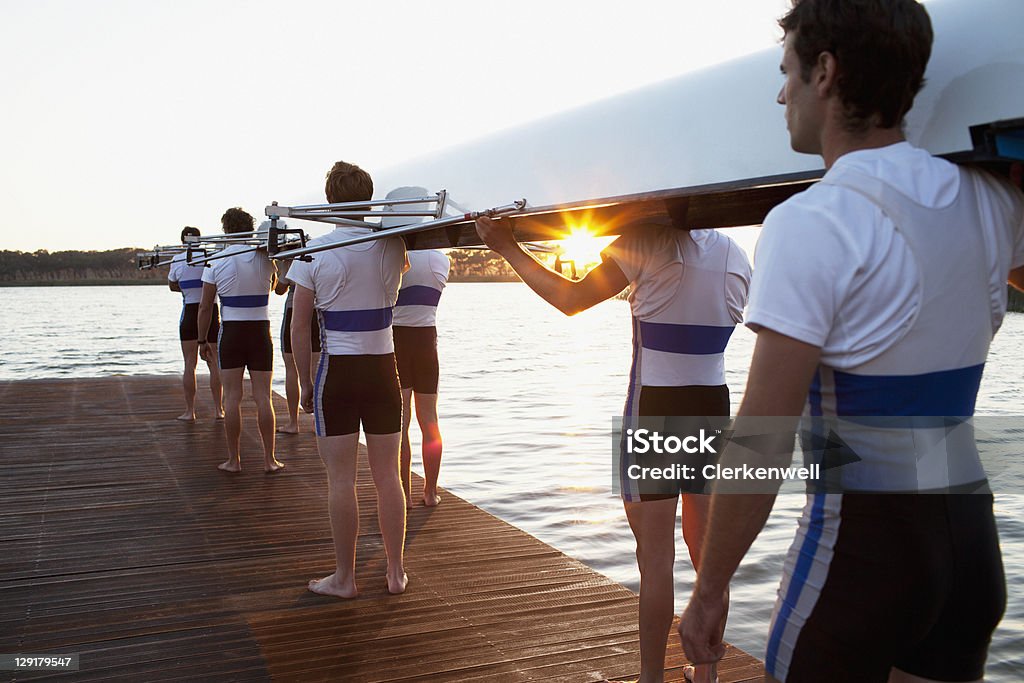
[[353, 290], [188, 280], [415, 331], [877, 293], [243, 282], [689, 290]]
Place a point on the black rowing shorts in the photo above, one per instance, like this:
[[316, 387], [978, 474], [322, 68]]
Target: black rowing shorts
[[286, 332], [350, 390], [246, 344], [188, 326], [680, 411], [874, 581], [416, 355]]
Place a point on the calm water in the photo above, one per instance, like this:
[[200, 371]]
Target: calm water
[[527, 398]]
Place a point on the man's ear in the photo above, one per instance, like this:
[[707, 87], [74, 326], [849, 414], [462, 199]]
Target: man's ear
[[826, 74]]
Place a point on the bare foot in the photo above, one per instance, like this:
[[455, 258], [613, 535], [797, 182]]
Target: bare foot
[[220, 415], [431, 501], [288, 429], [187, 416], [329, 585], [274, 466], [397, 584], [230, 465], [708, 674]]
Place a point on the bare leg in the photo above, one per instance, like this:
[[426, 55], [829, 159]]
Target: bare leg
[[382, 450], [232, 381], [406, 460], [215, 388], [694, 523], [260, 382], [291, 393], [314, 363], [426, 415], [653, 524], [190, 352], [338, 454]]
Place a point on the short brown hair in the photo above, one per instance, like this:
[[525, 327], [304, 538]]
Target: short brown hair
[[236, 220], [348, 183], [881, 46], [189, 230]]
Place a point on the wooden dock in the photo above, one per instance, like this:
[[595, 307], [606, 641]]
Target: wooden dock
[[122, 542]]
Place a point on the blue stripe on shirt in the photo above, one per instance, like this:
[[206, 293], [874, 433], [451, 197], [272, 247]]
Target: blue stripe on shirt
[[418, 295], [190, 284], [691, 339], [357, 321], [948, 393], [248, 301]]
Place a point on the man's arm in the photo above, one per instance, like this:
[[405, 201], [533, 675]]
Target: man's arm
[[568, 296], [780, 374], [302, 312], [282, 279], [172, 278], [206, 305]]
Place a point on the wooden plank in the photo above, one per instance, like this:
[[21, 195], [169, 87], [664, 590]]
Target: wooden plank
[[121, 541]]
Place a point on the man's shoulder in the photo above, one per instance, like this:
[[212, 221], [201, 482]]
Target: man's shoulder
[[438, 257], [333, 236]]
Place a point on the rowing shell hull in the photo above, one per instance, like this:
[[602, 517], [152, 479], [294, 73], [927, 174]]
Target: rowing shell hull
[[711, 147]]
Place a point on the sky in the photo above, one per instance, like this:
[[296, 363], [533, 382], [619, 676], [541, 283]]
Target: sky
[[122, 121]]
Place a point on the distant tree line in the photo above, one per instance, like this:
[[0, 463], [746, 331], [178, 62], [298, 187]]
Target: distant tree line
[[118, 266], [74, 267]]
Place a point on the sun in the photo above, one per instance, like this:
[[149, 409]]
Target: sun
[[583, 247]]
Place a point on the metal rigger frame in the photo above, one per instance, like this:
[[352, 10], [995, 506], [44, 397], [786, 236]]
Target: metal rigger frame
[[272, 240], [349, 213], [160, 255]]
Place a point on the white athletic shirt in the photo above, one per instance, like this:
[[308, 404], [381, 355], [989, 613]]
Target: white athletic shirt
[[689, 289], [895, 264], [243, 283], [354, 291], [421, 288], [189, 278]]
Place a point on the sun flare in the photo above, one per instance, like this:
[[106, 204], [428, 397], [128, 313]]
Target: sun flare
[[583, 247]]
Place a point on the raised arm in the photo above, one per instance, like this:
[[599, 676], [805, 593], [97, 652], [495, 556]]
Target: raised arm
[[282, 279], [568, 296]]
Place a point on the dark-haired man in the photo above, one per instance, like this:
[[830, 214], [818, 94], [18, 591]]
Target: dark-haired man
[[243, 282], [187, 279], [887, 312]]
